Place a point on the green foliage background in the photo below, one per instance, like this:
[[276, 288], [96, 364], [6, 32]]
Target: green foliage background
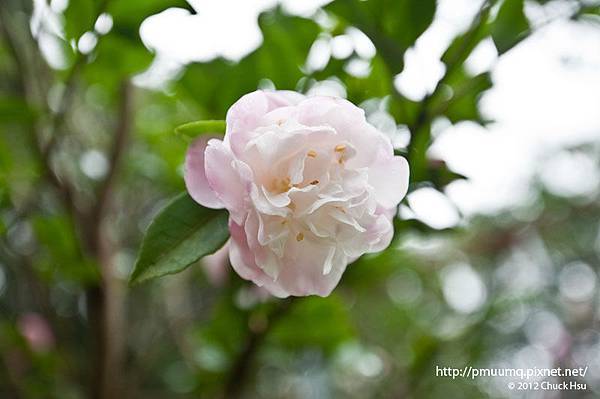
[[68, 242]]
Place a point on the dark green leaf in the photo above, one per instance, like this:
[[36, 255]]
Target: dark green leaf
[[511, 25], [182, 233], [198, 128]]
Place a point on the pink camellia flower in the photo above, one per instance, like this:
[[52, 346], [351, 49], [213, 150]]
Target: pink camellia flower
[[309, 185]]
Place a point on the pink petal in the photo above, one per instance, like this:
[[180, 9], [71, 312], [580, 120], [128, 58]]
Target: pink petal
[[246, 114], [242, 261], [283, 98], [379, 234], [195, 176], [229, 178], [310, 269], [350, 123], [389, 177]]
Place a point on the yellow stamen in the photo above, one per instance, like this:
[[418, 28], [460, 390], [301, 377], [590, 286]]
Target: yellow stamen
[[312, 154], [299, 237], [281, 186], [340, 148]]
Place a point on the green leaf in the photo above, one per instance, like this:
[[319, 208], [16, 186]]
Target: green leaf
[[440, 175], [588, 13], [129, 15], [215, 85], [392, 25], [466, 92], [198, 128], [116, 57], [80, 16], [511, 25], [182, 233], [463, 45]]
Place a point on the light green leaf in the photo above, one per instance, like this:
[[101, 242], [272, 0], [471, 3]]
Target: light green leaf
[[198, 128], [182, 233]]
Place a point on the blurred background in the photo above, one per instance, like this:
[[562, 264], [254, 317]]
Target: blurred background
[[495, 259]]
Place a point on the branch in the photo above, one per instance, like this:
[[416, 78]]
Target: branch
[[240, 370], [119, 145]]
